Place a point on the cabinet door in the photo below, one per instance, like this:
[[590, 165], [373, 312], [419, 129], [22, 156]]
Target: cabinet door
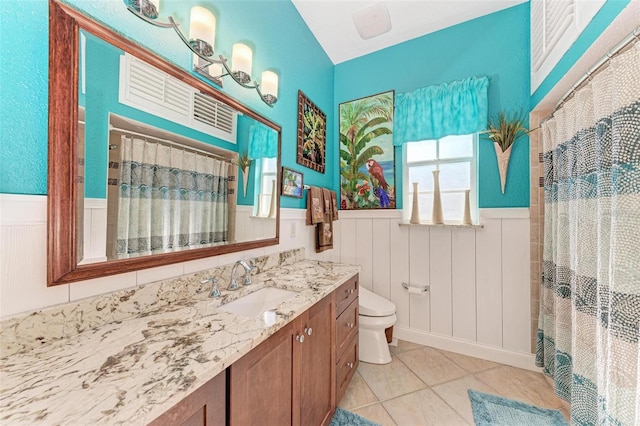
[[204, 407], [317, 365], [261, 383]]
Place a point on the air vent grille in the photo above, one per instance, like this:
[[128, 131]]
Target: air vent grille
[[212, 112], [148, 89]]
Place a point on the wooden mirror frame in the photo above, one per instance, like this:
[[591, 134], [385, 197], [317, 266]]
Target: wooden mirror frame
[[62, 249]]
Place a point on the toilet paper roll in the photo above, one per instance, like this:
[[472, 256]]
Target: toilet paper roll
[[415, 290]]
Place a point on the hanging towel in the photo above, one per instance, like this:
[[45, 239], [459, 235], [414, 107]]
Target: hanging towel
[[334, 205], [324, 230], [315, 205]]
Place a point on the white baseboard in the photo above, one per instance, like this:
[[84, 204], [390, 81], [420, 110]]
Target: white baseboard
[[490, 353]]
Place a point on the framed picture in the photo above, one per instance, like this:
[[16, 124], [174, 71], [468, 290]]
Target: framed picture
[[312, 134], [292, 183], [367, 161]]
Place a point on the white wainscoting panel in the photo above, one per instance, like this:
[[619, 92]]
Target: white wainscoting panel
[[364, 251], [440, 273], [516, 290], [419, 306], [23, 256], [463, 283], [399, 260], [479, 293], [380, 259], [489, 282]]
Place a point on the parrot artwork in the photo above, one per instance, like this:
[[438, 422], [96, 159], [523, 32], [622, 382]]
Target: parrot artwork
[[377, 173]]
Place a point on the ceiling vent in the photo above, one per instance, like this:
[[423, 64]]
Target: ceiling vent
[[372, 21]]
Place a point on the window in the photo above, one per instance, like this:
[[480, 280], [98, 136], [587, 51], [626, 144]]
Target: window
[[455, 157], [267, 175]]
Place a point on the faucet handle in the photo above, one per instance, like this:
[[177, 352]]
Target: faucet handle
[[247, 276], [215, 291]]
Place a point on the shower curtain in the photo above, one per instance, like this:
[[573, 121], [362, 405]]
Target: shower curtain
[[589, 321], [169, 198]]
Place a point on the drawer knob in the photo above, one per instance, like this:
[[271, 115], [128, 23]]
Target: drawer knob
[[308, 331], [349, 364], [350, 325], [300, 338], [350, 291]]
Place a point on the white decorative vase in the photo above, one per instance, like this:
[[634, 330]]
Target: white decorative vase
[[415, 209], [245, 179], [466, 218], [259, 209], [272, 207], [503, 163], [436, 213]]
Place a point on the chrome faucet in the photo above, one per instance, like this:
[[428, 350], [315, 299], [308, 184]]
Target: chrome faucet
[[233, 285], [215, 291]]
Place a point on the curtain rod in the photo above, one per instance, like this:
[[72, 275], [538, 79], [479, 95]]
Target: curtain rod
[[617, 49], [172, 143]]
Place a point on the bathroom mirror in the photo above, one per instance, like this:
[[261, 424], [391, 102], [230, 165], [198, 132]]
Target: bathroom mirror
[[145, 159]]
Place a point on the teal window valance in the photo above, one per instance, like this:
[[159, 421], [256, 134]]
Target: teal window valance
[[263, 141], [456, 108]]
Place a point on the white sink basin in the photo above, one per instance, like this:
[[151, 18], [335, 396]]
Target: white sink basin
[[259, 303]]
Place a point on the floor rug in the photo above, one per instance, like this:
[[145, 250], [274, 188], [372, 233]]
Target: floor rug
[[492, 410], [347, 418]]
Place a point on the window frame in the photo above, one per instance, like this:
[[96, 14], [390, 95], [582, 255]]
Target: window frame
[[473, 175], [265, 189]]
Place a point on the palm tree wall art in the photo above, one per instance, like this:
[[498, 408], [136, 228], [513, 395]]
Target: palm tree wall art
[[367, 167]]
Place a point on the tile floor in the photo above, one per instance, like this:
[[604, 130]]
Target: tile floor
[[427, 386]]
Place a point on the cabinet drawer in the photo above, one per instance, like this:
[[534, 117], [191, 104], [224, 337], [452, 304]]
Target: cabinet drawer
[[345, 294], [346, 368], [346, 326]]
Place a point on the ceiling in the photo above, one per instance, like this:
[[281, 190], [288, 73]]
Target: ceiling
[[332, 24]]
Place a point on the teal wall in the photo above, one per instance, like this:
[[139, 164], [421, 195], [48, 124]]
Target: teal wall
[[274, 29], [598, 24], [497, 46]]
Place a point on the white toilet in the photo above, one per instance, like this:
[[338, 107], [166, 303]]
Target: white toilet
[[376, 314]]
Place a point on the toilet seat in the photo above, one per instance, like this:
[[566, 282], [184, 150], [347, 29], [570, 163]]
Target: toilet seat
[[372, 305]]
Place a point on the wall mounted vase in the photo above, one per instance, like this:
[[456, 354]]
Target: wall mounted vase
[[503, 163]]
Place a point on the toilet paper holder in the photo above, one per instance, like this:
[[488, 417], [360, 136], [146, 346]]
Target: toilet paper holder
[[422, 288]]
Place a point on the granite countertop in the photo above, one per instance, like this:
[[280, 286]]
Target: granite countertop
[[132, 370]]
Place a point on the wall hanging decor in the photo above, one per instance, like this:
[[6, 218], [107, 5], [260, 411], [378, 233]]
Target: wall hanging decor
[[312, 134], [244, 163], [504, 129], [292, 183], [367, 166]]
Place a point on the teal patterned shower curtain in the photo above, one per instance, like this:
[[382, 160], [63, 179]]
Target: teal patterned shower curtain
[[170, 198], [589, 323]]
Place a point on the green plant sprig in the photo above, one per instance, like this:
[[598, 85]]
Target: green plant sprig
[[505, 128], [244, 161]]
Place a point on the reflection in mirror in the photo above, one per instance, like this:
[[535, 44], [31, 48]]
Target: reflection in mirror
[[155, 176], [164, 179]]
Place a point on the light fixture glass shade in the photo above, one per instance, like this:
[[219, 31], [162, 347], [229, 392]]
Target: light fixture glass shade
[[202, 25], [269, 84], [241, 59]]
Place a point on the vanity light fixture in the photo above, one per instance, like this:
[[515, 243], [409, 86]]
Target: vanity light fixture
[[202, 31]]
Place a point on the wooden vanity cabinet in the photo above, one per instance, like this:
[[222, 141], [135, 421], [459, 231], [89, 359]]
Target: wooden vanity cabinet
[[347, 338], [289, 378], [204, 407]]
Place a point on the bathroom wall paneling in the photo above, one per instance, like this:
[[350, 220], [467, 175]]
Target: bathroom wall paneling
[[23, 243], [481, 286], [479, 279]]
